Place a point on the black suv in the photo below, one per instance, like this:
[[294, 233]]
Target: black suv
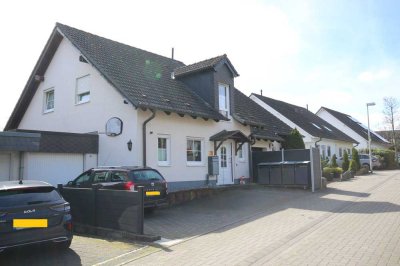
[[33, 212], [126, 178]]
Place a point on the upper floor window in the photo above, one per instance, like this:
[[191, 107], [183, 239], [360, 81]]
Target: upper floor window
[[48, 101], [83, 89], [223, 92]]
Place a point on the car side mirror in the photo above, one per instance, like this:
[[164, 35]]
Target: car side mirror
[[70, 183]]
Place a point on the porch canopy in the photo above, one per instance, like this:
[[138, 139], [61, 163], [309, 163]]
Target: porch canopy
[[236, 135]]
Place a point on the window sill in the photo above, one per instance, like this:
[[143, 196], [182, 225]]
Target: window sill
[[192, 164], [48, 111], [162, 164], [80, 103]]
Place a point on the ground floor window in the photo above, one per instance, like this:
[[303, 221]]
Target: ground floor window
[[163, 150], [194, 150]]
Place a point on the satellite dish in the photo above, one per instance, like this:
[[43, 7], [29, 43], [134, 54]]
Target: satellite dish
[[114, 127]]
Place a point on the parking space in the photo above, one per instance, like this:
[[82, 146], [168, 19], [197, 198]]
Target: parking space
[[205, 215], [83, 251]]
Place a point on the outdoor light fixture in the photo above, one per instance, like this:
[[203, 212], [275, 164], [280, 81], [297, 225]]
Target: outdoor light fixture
[[369, 138], [129, 143]]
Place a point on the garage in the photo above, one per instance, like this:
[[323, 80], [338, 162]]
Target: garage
[[54, 157]]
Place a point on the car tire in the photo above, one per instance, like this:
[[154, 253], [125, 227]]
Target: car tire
[[367, 166], [64, 244]]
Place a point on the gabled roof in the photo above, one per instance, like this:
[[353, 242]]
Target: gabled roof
[[308, 121], [234, 134], [143, 78], [211, 63], [247, 112], [356, 126]]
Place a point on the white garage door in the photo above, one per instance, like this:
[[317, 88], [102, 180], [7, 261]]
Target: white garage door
[[55, 168], [4, 166]]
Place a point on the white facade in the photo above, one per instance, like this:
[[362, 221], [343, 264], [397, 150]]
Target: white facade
[[327, 147], [363, 143], [86, 108]]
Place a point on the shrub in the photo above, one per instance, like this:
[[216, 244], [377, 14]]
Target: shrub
[[333, 161], [353, 166], [294, 140], [327, 171], [324, 162], [388, 158], [356, 159], [346, 163]]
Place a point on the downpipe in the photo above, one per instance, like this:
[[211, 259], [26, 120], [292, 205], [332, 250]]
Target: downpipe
[[145, 136]]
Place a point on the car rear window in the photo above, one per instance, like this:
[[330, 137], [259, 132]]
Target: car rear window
[[28, 196], [145, 175]]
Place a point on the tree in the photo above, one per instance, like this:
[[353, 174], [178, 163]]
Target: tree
[[346, 163], [294, 140], [391, 107], [355, 160], [333, 161]]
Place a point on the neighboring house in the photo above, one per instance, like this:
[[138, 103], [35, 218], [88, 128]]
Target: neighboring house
[[388, 135], [315, 131], [146, 109], [353, 128]]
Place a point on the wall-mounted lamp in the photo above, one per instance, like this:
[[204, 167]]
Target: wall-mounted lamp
[[129, 143]]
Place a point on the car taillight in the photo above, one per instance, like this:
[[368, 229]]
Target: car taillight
[[61, 207], [374, 160], [129, 186], [68, 226]]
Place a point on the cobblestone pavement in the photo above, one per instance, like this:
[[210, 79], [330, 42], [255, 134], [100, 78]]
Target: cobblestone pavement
[[356, 222], [83, 251]]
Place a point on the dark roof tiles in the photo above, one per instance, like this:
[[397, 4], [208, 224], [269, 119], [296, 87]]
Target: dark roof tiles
[[355, 125], [135, 73], [308, 121]]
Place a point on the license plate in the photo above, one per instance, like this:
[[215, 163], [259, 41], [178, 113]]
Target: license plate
[[29, 223], [153, 193]]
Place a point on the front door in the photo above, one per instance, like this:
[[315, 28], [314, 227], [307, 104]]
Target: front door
[[225, 164]]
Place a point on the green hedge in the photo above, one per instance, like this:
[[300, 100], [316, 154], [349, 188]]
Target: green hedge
[[326, 172], [388, 158]]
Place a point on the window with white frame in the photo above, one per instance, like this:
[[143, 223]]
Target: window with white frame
[[194, 151], [83, 89], [48, 101], [340, 152], [241, 153], [323, 151], [164, 150], [223, 92], [329, 151]]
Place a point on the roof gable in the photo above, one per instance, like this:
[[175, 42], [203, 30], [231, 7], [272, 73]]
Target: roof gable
[[142, 77], [308, 121], [356, 126], [208, 64]]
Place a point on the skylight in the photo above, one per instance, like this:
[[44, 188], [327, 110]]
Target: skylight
[[327, 128], [316, 126]]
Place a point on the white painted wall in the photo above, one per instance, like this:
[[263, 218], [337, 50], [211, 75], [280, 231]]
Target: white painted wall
[[105, 102], [9, 165], [363, 143], [179, 128]]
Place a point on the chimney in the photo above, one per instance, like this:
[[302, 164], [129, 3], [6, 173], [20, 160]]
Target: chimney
[[261, 93], [307, 106], [172, 56]]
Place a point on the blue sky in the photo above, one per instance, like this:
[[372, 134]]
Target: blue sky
[[338, 54]]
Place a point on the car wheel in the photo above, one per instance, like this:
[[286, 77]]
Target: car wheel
[[366, 166], [64, 244]]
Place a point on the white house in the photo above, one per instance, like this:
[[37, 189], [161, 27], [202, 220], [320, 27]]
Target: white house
[[146, 109], [353, 128], [315, 131]]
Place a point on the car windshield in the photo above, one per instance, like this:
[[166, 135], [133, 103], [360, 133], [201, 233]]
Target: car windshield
[[27, 196], [145, 175]]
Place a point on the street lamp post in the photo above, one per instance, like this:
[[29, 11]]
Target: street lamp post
[[369, 138]]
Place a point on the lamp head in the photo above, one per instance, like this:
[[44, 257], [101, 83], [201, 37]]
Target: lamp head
[[371, 104]]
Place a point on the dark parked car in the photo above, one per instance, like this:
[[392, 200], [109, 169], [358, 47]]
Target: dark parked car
[[33, 212], [126, 178]]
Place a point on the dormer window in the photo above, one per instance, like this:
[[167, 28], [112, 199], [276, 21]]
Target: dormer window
[[223, 99]]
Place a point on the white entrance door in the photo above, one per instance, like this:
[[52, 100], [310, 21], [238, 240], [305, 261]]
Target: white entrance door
[[225, 164], [4, 166]]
